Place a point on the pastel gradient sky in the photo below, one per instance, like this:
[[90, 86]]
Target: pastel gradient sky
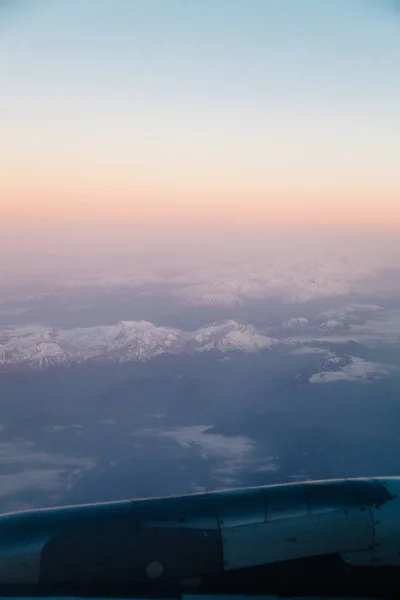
[[200, 111]]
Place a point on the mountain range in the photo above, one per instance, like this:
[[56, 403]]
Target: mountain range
[[28, 347], [35, 347]]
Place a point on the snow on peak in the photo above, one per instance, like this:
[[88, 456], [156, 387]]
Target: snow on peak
[[296, 323], [332, 325], [232, 336], [349, 313], [38, 347]]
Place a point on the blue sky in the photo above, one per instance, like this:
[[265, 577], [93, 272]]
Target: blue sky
[[200, 103]]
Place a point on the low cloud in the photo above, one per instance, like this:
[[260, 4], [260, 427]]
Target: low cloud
[[356, 370], [382, 327], [31, 480], [26, 469], [22, 451], [308, 350], [232, 456], [211, 445], [371, 327]]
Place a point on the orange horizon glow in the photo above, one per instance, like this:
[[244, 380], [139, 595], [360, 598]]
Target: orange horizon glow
[[212, 126], [174, 209]]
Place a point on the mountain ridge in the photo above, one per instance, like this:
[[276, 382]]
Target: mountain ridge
[[35, 347]]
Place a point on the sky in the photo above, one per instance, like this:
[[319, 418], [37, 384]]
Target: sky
[[184, 112]]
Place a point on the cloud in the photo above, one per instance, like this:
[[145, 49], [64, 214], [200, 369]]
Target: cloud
[[308, 350], [58, 428], [232, 456], [230, 269], [383, 328], [356, 370], [349, 312], [211, 445], [28, 480], [364, 324], [26, 469], [23, 451]]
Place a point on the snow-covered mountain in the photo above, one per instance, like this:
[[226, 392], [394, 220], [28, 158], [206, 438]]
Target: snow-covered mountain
[[231, 336], [350, 313], [38, 348], [296, 323], [340, 319]]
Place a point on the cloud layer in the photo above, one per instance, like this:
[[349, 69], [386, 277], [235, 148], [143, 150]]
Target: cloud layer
[[231, 456], [357, 369]]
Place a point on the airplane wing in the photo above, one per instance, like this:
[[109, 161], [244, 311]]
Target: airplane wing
[[336, 538]]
